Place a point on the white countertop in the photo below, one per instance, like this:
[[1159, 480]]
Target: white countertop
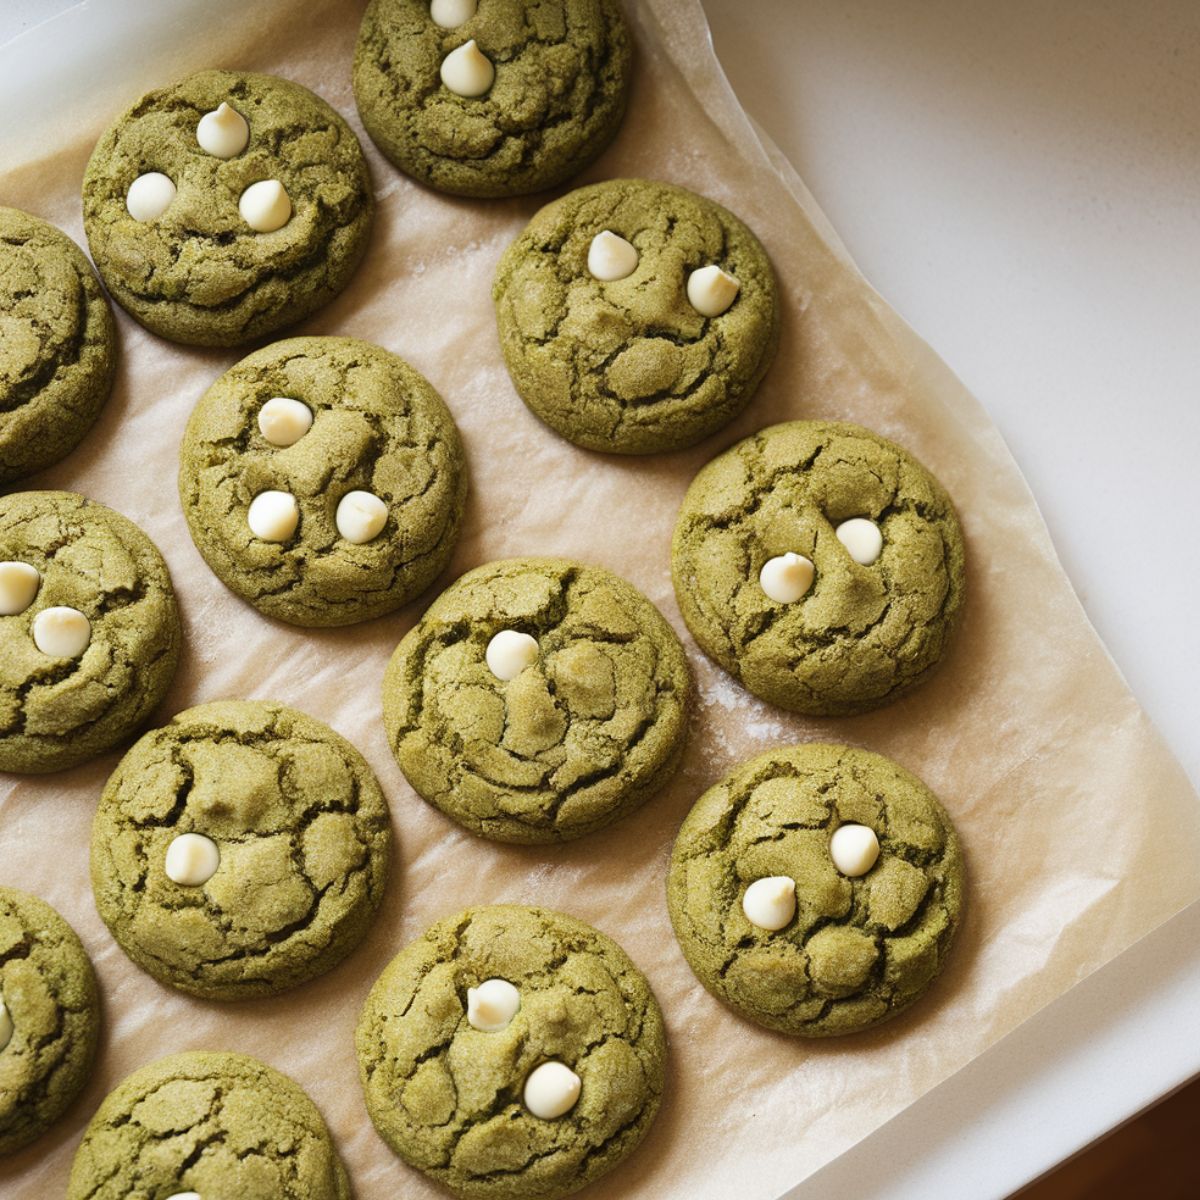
[[1020, 182]]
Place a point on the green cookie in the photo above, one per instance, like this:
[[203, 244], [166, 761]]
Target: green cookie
[[58, 348], [49, 1018], [61, 551], [885, 566], [592, 724], [377, 426], [561, 75], [450, 1097], [197, 272], [629, 364], [859, 948], [293, 858], [223, 1126]]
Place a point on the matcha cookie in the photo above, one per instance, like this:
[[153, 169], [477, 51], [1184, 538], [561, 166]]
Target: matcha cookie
[[89, 630], [323, 480], [495, 98], [538, 700], [213, 1125], [226, 207], [49, 1018], [816, 889], [240, 850], [636, 317], [58, 348], [512, 1054], [820, 564]]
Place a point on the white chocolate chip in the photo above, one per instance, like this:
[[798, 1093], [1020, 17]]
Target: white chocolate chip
[[149, 196], [854, 849], [223, 132], [192, 859], [492, 1005], [510, 652], [19, 583], [185, 1196], [611, 257], [361, 517], [770, 903], [61, 632], [450, 14], [552, 1090], [786, 577], [711, 291], [6, 1025], [862, 539], [273, 516], [467, 71], [265, 206], [284, 421]]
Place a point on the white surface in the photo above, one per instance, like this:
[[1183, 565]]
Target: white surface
[[1020, 182], [986, 164]]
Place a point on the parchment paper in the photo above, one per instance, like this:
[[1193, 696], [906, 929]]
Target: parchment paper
[[1080, 829]]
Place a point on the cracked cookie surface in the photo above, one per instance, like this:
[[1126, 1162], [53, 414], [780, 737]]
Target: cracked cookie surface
[[629, 365], [861, 636], [858, 950], [48, 990], [303, 835], [580, 737], [58, 347], [219, 1124], [562, 75], [447, 1097], [198, 273], [378, 426], [57, 712]]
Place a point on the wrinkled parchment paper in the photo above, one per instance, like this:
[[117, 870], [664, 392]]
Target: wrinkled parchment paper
[[1081, 831]]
